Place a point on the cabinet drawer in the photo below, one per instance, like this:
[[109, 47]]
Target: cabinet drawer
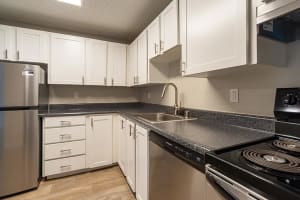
[[63, 165], [62, 150], [64, 121], [65, 134]]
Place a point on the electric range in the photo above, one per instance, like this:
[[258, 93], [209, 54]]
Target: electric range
[[270, 169]]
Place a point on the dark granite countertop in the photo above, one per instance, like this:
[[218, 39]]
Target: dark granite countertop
[[200, 135]]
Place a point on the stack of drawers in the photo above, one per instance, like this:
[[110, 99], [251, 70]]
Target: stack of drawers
[[63, 144]]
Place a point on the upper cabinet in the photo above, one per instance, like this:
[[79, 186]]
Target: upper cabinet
[[154, 38], [96, 62], [32, 45], [116, 64], [213, 34], [169, 27], [132, 64], [7, 43], [163, 33], [67, 60], [142, 77]]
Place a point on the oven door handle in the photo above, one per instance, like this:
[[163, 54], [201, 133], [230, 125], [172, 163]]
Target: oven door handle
[[210, 178]]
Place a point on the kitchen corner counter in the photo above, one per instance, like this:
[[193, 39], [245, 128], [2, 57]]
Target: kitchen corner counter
[[199, 135]]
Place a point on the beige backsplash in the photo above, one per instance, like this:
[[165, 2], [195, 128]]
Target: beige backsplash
[[257, 86], [62, 94]]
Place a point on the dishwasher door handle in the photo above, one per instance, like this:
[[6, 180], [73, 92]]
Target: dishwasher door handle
[[210, 178]]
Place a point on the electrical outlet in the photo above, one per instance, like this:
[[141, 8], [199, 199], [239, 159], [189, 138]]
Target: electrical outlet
[[234, 95]]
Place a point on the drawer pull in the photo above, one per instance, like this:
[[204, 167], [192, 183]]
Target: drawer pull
[[65, 167], [65, 123], [65, 137], [66, 151]]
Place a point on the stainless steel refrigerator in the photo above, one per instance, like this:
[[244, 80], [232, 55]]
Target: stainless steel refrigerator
[[20, 96]]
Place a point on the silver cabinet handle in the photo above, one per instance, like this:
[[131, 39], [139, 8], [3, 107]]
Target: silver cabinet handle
[[92, 123], [65, 167], [18, 55], [63, 152], [183, 66], [155, 48], [105, 81], [122, 124], [64, 137], [161, 46], [6, 54], [134, 80], [65, 123], [112, 81], [83, 80], [137, 80], [129, 130]]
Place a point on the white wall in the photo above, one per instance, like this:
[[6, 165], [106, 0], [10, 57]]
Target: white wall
[[61, 94], [257, 86]]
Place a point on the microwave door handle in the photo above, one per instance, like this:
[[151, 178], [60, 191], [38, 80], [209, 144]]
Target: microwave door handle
[[218, 188]]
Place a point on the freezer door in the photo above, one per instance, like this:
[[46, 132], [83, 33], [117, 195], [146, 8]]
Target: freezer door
[[19, 85], [19, 151]]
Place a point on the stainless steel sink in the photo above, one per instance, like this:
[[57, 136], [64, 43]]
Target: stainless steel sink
[[161, 117]]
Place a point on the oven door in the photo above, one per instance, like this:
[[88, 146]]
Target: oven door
[[220, 187]]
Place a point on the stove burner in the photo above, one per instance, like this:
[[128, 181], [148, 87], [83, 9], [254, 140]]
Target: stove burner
[[288, 144], [273, 160]]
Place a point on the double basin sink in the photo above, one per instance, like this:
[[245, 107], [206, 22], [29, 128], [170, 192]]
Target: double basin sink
[[161, 117]]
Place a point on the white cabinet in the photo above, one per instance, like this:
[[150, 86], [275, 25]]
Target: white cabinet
[[142, 77], [64, 145], [116, 66], [169, 27], [96, 61], [154, 38], [132, 63], [142, 163], [163, 32], [130, 154], [122, 144], [7, 43], [67, 60], [99, 141], [213, 44], [32, 45]]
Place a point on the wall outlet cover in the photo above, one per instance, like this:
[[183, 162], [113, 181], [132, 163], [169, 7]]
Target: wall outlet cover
[[234, 95]]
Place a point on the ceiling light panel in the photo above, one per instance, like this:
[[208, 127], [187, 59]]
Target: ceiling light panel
[[72, 2]]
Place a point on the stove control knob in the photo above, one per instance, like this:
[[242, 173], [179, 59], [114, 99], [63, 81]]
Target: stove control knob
[[290, 99]]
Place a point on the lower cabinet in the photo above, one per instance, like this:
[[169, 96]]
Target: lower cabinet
[[130, 154], [99, 140], [122, 144], [76, 143], [142, 163]]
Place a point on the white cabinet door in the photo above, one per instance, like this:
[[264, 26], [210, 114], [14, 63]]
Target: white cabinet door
[[130, 154], [169, 27], [122, 145], [153, 38], [32, 45], [67, 60], [132, 63], [116, 65], [142, 163], [7, 43], [214, 44], [99, 141], [142, 59], [96, 61]]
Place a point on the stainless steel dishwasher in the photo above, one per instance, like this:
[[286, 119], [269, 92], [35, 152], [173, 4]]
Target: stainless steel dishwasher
[[176, 172]]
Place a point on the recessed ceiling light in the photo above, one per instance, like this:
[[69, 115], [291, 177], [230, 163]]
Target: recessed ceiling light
[[73, 2]]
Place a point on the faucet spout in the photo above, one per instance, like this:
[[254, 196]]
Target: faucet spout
[[176, 106]]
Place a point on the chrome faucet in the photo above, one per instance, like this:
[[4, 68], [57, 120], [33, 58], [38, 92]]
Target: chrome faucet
[[176, 106]]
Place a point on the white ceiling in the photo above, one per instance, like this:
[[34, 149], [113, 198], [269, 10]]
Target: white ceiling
[[120, 20]]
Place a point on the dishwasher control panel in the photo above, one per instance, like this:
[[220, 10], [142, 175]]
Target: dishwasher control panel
[[187, 155]]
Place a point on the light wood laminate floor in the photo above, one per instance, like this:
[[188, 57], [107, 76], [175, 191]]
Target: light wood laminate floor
[[106, 184]]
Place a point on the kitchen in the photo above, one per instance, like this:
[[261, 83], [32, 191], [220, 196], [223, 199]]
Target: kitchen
[[150, 100]]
